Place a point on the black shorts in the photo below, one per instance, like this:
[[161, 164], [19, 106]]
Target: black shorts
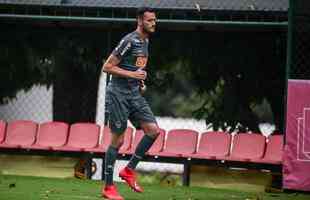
[[125, 103]]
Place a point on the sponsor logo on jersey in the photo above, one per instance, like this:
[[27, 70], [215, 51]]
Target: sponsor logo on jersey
[[141, 61]]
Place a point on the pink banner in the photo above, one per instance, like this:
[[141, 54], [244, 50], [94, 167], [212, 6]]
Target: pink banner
[[296, 157]]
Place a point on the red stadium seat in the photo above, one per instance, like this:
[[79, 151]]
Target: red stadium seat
[[51, 134], [274, 150], [213, 145], [180, 142], [82, 136], [127, 141], [138, 136], [20, 134], [106, 140], [156, 147], [247, 147], [2, 131]]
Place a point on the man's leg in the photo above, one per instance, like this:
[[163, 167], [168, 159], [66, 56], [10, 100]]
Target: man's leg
[[117, 116], [110, 157], [110, 191], [151, 131]]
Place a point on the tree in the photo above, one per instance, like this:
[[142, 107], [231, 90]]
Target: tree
[[70, 60], [230, 71]]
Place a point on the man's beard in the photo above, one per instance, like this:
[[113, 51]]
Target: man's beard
[[148, 31]]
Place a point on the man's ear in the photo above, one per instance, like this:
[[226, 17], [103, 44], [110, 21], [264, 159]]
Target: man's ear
[[140, 21]]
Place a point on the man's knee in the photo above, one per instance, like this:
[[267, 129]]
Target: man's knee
[[151, 130], [118, 127], [117, 140]]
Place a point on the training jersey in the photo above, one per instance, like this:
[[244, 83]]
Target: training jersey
[[132, 51]]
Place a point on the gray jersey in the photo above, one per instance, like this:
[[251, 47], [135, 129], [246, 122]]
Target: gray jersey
[[132, 51]]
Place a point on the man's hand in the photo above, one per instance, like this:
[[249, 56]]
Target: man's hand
[[142, 87], [139, 74]]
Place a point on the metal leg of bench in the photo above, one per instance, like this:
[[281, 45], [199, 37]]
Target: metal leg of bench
[[103, 169], [88, 166], [186, 174]]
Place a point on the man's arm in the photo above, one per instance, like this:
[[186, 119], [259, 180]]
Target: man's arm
[[111, 66]]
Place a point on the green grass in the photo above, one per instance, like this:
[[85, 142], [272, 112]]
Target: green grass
[[37, 188]]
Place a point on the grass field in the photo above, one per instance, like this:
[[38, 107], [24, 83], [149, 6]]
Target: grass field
[[14, 187]]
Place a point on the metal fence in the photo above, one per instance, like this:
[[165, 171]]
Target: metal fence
[[185, 10], [50, 73], [61, 57]]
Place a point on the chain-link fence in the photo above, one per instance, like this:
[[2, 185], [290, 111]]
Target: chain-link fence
[[211, 10], [64, 57], [50, 68], [299, 40], [50, 73], [35, 104]]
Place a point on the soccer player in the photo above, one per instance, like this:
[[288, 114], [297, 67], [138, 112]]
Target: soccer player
[[124, 100]]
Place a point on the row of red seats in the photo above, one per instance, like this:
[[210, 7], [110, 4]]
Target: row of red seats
[[85, 137], [216, 146]]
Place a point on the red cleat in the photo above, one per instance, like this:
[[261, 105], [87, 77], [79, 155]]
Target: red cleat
[[129, 176], [110, 192]]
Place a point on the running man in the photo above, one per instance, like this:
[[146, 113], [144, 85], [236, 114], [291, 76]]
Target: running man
[[124, 100]]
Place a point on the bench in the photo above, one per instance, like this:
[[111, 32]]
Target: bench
[[89, 140]]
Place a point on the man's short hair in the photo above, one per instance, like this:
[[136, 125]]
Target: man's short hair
[[142, 10]]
